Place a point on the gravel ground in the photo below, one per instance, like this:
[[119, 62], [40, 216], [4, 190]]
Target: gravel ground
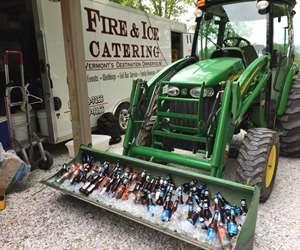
[[38, 217]]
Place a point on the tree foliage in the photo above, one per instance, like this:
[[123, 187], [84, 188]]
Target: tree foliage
[[131, 3], [165, 8]]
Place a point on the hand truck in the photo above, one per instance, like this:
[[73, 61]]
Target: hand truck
[[32, 151]]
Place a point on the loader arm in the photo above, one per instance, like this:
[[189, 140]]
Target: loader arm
[[248, 87]]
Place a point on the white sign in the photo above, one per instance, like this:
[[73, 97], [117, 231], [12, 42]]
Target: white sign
[[120, 46]]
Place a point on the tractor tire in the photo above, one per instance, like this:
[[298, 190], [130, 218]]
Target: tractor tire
[[258, 159], [289, 124]]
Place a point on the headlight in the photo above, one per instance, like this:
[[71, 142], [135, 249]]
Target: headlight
[[208, 92], [195, 92], [262, 6], [173, 91]]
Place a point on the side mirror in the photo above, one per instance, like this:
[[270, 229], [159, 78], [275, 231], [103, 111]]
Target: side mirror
[[263, 6]]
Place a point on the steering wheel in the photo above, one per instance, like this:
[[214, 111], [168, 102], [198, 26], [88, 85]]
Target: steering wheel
[[235, 41]]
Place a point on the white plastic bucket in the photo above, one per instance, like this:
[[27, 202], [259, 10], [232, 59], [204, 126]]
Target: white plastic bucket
[[43, 122], [20, 126], [100, 142]]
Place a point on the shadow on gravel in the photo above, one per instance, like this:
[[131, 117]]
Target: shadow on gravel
[[130, 229]]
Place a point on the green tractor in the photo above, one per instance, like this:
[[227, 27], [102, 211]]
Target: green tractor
[[241, 75]]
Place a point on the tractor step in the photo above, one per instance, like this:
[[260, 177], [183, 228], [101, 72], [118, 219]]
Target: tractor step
[[177, 116], [185, 137], [175, 158], [176, 99], [183, 128]]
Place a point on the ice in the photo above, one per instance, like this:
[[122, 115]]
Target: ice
[[178, 222]]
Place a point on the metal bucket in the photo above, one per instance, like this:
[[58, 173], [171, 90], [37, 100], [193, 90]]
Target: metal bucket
[[231, 190]]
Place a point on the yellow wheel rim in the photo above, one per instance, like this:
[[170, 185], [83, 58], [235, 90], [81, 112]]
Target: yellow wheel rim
[[271, 166]]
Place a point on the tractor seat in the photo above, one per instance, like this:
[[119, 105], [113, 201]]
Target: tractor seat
[[250, 54], [247, 54]]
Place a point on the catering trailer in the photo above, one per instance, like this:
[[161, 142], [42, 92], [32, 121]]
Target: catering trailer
[[121, 44]]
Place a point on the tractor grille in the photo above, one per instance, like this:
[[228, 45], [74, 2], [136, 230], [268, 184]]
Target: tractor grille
[[187, 108]]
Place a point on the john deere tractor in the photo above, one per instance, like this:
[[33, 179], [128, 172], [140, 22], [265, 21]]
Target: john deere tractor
[[241, 75]]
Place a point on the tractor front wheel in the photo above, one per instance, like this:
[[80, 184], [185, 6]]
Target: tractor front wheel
[[289, 123], [258, 160]]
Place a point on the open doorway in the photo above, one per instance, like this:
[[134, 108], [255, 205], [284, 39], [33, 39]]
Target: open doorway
[[176, 46], [18, 33]]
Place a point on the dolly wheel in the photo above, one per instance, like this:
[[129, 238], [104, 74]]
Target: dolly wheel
[[258, 160], [289, 123], [45, 165], [37, 161]]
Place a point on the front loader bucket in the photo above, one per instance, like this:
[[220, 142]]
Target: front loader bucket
[[233, 192]]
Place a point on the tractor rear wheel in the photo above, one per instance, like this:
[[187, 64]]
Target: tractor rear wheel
[[289, 123], [258, 160]]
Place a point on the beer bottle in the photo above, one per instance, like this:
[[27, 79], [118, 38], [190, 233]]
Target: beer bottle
[[206, 210], [174, 207], [153, 185], [203, 225], [86, 158], [66, 172], [158, 188], [162, 193], [116, 183], [220, 209], [232, 227], [223, 237], [107, 185], [103, 183], [179, 192], [206, 194], [197, 199], [76, 174], [146, 182], [190, 197], [222, 200], [120, 190], [200, 189], [92, 181], [213, 226], [190, 209], [150, 204], [143, 176], [238, 211], [196, 215], [93, 185], [244, 206], [166, 214]]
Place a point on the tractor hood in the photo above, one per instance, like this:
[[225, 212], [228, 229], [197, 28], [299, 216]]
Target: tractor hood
[[210, 71]]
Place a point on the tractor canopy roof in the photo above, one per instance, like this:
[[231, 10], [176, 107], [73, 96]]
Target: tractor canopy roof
[[217, 7], [209, 3]]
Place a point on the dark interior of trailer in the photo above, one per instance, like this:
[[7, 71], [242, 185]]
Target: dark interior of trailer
[[177, 46], [18, 33]]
